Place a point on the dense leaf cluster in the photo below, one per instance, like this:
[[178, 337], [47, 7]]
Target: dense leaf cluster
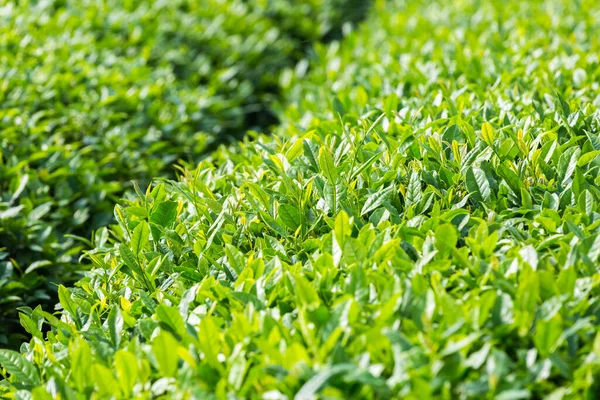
[[424, 224], [95, 94]]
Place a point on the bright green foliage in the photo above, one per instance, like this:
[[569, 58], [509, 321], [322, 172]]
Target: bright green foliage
[[95, 94], [423, 225]]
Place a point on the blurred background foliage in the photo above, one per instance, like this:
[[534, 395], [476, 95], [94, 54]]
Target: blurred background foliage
[[96, 95]]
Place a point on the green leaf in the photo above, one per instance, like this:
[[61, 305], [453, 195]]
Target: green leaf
[[81, 362], [126, 366], [567, 279], [512, 180], [413, 191], [115, 325], [311, 153], [64, 296], [514, 394], [10, 212], [374, 124], [359, 169], [164, 214], [328, 168], [478, 185], [290, 215], [587, 158], [140, 212], [235, 258], [547, 334], [237, 368], [446, 238], [586, 202], [353, 251], [377, 199], [314, 384], [130, 259], [104, 380], [30, 326], [488, 134], [306, 294], [139, 238], [19, 367], [259, 194], [23, 180], [567, 163], [169, 317], [164, 349], [342, 227], [338, 107]]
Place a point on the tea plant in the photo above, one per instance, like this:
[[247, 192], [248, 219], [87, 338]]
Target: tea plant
[[424, 224], [97, 94]]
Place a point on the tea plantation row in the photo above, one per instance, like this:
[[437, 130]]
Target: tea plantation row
[[422, 224], [96, 94]]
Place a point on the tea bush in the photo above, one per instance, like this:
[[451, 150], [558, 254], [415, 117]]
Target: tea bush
[[423, 224], [97, 94]]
